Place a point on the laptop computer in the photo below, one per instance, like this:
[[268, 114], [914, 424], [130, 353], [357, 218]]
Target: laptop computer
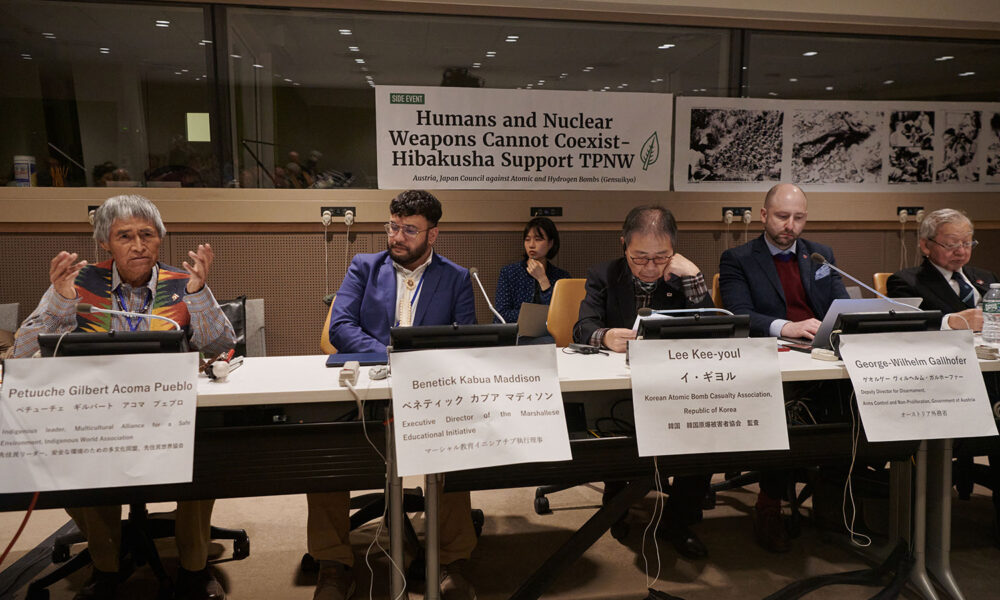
[[849, 305], [531, 320]]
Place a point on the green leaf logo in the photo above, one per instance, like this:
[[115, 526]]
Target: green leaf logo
[[650, 151]]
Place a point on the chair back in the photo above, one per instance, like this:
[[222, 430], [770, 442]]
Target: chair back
[[879, 279], [325, 346], [716, 294], [564, 309]]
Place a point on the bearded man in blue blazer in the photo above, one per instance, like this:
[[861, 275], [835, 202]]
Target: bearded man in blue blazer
[[786, 294], [407, 284]]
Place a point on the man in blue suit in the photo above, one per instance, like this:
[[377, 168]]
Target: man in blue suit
[[772, 279], [407, 284]]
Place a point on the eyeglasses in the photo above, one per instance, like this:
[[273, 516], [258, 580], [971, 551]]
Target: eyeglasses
[[408, 230], [645, 260], [956, 245]]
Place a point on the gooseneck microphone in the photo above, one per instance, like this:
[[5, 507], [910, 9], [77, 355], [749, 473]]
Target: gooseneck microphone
[[821, 260], [474, 272], [83, 307]]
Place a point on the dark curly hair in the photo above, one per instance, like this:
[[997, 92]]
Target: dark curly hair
[[416, 202]]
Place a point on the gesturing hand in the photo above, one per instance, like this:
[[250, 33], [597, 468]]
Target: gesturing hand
[[62, 273], [202, 260]]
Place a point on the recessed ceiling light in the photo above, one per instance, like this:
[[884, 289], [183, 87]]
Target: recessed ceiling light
[[967, 73], [354, 49], [491, 53], [793, 79], [206, 41], [623, 85], [588, 69], [256, 66], [104, 50], [476, 65], [772, 93], [163, 23], [287, 80], [605, 88], [512, 39], [184, 70], [364, 69], [744, 68], [177, 72], [666, 46], [296, 83], [810, 53], [345, 32], [360, 61], [944, 58], [889, 82], [236, 55], [829, 88]]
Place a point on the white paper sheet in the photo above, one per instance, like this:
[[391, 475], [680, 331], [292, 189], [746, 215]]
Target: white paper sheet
[[97, 421], [472, 408], [918, 385], [711, 395]]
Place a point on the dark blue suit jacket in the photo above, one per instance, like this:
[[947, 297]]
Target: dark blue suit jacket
[[750, 285], [365, 307]]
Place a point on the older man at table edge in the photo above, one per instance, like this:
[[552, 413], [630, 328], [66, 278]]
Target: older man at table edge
[[406, 284], [650, 274], [129, 227]]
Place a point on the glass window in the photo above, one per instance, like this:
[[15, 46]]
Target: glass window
[[833, 67], [106, 94], [304, 114]]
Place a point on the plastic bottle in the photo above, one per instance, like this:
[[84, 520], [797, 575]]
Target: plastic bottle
[[991, 315]]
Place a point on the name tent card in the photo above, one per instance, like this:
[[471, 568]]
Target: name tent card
[[472, 408], [918, 385], [97, 421], [710, 395]]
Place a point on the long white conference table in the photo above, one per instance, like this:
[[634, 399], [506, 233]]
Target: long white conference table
[[305, 379], [289, 382]]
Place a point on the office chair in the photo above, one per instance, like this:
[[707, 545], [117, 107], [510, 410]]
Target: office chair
[[564, 309], [140, 529], [879, 280], [716, 292]]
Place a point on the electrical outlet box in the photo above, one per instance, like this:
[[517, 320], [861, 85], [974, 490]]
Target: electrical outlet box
[[911, 211], [546, 211], [338, 211], [738, 212]]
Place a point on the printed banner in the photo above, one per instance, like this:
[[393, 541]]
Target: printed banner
[[750, 144], [473, 138], [480, 407], [918, 385], [707, 395], [97, 421]]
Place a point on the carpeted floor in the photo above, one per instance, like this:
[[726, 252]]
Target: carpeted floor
[[516, 540]]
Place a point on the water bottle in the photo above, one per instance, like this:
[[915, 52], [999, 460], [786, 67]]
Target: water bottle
[[991, 315]]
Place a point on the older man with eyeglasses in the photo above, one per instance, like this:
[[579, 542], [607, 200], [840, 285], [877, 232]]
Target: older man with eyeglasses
[[407, 284], [650, 274], [945, 280]]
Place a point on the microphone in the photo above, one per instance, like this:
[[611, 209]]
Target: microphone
[[83, 307], [474, 272], [821, 260]]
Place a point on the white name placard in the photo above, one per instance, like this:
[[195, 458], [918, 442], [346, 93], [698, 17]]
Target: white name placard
[[711, 395], [97, 421], [472, 408], [918, 385], [475, 138]]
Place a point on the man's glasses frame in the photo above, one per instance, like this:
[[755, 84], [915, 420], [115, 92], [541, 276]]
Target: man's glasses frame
[[409, 231], [645, 260], [957, 245]]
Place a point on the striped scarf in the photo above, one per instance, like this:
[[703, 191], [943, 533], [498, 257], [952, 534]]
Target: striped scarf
[[93, 283]]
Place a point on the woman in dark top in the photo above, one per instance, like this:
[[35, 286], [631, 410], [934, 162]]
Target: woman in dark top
[[530, 279]]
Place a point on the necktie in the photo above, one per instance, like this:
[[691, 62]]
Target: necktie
[[964, 290]]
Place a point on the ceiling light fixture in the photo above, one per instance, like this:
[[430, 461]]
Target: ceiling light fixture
[[236, 55], [345, 32], [943, 58], [829, 88], [256, 66], [810, 53], [967, 74], [793, 79], [666, 46], [772, 93], [512, 39], [360, 61], [354, 49], [104, 50], [163, 23], [889, 82]]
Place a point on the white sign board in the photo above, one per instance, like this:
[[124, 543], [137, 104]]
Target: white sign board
[[473, 138], [918, 385], [750, 144], [708, 395], [97, 421], [479, 407]]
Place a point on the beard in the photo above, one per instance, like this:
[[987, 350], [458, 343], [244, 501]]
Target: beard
[[403, 255]]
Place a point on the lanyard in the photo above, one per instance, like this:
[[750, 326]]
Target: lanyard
[[132, 326]]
